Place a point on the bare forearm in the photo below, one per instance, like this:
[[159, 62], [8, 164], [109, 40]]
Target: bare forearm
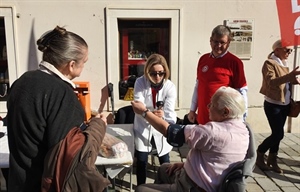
[[158, 123]]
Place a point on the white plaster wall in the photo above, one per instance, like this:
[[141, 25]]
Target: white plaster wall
[[197, 19]]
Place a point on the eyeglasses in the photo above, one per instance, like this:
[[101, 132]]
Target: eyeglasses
[[211, 105], [219, 42], [155, 73]]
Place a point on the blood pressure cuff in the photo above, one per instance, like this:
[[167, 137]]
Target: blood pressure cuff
[[175, 135]]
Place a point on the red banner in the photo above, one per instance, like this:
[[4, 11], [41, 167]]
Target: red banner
[[289, 20]]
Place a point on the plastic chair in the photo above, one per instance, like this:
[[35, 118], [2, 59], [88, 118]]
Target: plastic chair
[[125, 115]]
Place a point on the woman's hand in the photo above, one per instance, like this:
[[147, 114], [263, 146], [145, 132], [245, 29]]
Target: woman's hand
[[295, 71], [102, 116], [159, 113], [174, 167], [138, 107]]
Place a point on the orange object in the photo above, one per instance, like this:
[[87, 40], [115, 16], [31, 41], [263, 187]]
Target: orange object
[[82, 91]]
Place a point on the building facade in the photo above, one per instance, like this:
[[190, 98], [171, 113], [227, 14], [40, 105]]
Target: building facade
[[121, 34]]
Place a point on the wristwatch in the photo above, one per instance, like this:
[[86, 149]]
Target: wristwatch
[[144, 114]]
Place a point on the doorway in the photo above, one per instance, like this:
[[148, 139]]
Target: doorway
[[115, 72], [138, 40]]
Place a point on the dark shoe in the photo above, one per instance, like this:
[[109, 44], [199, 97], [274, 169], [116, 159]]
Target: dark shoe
[[272, 162], [260, 162]]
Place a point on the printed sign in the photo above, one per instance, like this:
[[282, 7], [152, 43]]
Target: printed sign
[[242, 34], [289, 20]]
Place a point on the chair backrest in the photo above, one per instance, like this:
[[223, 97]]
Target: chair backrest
[[124, 115], [235, 180], [186, 121]]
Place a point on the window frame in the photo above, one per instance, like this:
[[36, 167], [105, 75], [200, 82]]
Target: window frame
[[113, 43], [8, 14]]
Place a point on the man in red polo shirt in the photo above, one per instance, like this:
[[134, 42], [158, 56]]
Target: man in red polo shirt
[[215, 69]]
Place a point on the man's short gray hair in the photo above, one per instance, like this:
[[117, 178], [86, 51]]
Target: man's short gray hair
[[222, 30], [231, 99]]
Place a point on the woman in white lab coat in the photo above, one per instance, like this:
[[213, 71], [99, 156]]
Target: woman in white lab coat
[[158, 94]]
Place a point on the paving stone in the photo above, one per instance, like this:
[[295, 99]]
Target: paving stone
[[258, 173], [253, 187], [297, 185], [290, 139], [282, 181], [250, 180], [290, 161], [290, 152], [296, 147], [293, 178], [267, 184], [290, 189], [296, 169]]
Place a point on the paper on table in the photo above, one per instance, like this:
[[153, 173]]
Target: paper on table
[[112, 147], [114, 166]]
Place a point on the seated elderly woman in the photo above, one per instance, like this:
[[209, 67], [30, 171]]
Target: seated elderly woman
[[214, 147]]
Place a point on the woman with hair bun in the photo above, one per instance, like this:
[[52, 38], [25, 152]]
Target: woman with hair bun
[[43, 108]]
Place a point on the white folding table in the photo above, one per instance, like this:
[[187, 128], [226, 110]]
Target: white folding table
[[114, 166]]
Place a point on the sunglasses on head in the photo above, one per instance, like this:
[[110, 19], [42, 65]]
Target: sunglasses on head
[[155, 73]]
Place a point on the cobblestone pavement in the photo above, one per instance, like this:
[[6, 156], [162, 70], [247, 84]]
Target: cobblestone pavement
[[289, 161]]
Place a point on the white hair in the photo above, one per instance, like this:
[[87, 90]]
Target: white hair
[[231, 99]]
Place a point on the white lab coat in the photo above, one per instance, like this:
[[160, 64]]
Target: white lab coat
[[142, 129]]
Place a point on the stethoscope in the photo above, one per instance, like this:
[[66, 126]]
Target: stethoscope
[[158, 105]]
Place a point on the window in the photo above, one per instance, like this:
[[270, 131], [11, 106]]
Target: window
[[138, 40], [116, 71], [8, 70]]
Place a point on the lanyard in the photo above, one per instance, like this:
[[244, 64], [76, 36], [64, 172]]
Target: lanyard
[[154, 94]]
